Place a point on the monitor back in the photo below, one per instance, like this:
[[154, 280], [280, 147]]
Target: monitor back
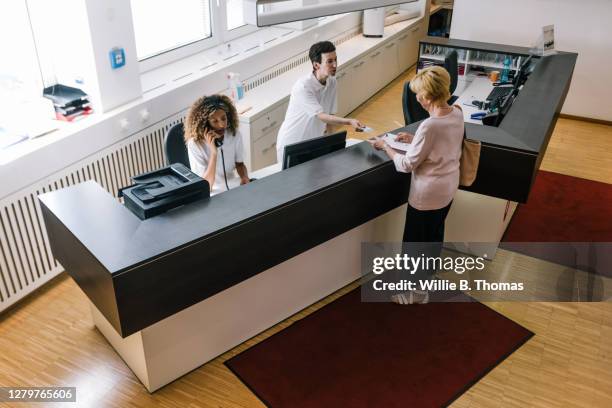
[[301, 152]]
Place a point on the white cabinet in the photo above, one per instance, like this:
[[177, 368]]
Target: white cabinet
[[344, 78], [260, 134], [408, 46], [357, 84], [264, 149], [390, 66], [373, 71]]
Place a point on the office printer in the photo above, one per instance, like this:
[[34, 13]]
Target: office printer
[[161, 190]]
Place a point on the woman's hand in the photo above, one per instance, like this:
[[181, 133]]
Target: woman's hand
[[377, 143], [209, 139], [404, 137]]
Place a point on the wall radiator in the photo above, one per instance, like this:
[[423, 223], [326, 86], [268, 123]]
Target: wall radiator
[[26, 261]]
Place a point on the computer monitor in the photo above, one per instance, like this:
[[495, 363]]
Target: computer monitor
[[495, 118], [302, 152], [522, 73]]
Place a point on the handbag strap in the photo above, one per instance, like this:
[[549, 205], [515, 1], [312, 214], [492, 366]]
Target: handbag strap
[[464, 130]]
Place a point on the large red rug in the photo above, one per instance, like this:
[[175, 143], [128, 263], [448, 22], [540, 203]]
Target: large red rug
[[563, 209], [567, 221], [355, 354]]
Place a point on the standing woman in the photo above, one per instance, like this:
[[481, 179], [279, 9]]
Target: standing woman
[[433, 159], [214, 144]]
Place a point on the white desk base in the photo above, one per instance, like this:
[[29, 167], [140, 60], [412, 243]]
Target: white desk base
[[169, 349]]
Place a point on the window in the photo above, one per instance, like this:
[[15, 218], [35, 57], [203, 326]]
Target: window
[[232, 17], [166, 31], [164, 26], [235, 14], [20, 76]]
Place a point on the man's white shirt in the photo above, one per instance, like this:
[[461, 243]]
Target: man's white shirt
[[308, 98]]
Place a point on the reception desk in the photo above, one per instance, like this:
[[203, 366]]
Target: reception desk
[[174, 291]]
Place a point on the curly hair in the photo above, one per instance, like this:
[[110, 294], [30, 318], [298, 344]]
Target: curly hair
[[199, 113]]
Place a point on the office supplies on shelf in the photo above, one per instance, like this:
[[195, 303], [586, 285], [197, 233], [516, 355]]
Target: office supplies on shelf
[[69, 103]]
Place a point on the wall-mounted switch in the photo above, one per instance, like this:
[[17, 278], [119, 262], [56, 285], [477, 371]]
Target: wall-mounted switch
[[117, 57]]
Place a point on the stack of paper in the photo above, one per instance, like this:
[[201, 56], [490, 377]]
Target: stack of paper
[[389, 138]]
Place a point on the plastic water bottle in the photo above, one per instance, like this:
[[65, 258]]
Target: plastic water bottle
[[506, 70], [236, 86]]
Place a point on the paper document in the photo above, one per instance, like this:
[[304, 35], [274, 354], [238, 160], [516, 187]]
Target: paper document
[[389, 138]]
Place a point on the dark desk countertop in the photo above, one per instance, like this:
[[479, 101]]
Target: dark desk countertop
[[530, 121], [128, 241], [139, 272]]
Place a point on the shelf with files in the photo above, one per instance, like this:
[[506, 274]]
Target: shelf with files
[[468, 59], [434, 57]]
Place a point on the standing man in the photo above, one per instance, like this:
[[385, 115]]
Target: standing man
[[313, 101]]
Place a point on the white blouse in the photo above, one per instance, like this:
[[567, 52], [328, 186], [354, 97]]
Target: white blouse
[[233, 152]]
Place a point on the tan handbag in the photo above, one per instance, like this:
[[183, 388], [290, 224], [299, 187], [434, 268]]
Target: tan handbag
[[468, 165]]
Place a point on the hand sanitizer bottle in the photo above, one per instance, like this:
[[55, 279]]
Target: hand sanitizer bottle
[[506, 70], [236, 87]]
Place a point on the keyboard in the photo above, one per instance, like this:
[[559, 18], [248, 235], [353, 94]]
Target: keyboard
[[499, 92]]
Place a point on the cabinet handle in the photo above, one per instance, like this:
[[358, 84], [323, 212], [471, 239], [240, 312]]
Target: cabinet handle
[[403, 37], [415, 29], [390, 45], [341, 75], [268, 148], [358, 65], [375, 55], [271, 125]]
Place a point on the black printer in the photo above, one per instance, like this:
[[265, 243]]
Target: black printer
[[161, 190]]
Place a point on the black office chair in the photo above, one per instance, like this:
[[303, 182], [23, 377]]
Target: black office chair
[[413, 111], [174, 146], [451, 65]]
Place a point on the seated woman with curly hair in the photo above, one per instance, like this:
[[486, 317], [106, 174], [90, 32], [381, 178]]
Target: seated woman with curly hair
[[214, 143]]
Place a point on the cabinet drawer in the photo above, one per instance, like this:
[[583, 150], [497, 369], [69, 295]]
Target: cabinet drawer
[[268, 121], [264, 149]]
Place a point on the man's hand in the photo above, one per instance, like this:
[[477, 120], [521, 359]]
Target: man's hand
[[244, 180], [356, 124], [404, 137]]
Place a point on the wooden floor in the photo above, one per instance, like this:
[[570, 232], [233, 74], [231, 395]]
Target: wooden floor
[[49, 340]]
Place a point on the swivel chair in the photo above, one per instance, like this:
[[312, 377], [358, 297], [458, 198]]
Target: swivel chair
[[413, 111], [450, 64], [174, 146]]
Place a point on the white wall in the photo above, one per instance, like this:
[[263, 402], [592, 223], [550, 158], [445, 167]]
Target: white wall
[[580, 26], [110, 25]]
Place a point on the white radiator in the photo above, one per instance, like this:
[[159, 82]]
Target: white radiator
[[26, 261]]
